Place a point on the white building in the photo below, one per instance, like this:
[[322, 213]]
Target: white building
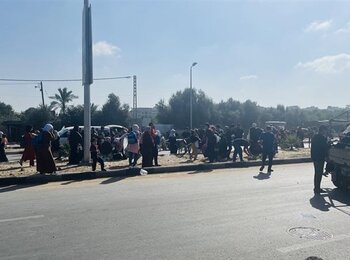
[[145, 115]]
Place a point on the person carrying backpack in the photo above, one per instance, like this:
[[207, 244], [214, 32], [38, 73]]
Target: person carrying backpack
[[133, 145]]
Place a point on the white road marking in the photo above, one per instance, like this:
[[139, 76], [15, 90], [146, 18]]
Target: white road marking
[[312, 243], [21, 218]]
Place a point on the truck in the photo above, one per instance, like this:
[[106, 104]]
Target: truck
[[338, 163]]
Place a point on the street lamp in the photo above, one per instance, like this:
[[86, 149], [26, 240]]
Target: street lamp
[[193, 64], [40, 86]]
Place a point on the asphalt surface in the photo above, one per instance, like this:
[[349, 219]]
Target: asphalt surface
[[219, 214]]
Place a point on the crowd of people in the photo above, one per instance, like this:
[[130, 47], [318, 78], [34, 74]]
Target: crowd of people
[[215, 143]]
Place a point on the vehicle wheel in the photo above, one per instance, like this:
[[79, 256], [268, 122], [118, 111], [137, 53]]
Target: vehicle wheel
[[338, 179]]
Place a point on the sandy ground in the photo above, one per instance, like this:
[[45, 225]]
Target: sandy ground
[[13, 169]]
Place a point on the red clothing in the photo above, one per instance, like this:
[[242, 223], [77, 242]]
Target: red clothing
[[29, 153]]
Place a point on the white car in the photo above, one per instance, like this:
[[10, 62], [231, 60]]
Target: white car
[[64, 132]]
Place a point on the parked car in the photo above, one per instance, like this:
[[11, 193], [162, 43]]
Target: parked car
[[64, 132]]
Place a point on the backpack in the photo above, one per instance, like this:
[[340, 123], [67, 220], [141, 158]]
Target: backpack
[[132, 138], [37, 141]]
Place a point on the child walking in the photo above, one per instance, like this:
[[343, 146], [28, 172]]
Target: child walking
[[94, 155]]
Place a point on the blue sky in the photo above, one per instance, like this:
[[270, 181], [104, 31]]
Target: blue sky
[[272, 52]]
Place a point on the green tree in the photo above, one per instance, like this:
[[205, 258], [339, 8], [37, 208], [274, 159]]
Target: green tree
[[6, 113], [38, 117], [62, 99], [178, 110], [228, 112], [113, 112], [250, 113]]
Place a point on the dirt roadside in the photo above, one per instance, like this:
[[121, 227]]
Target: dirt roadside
[[13, 169]]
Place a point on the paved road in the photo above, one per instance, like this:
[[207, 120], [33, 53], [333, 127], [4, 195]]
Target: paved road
[[222, 214]]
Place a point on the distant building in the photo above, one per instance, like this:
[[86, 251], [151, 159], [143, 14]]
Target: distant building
[[145, 115]]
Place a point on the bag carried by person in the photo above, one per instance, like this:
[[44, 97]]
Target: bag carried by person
[[37, 141], [132, 139]]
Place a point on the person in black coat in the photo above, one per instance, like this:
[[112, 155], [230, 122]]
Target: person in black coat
[[319, 151], [268, 148], [147, 148], [75, 139]]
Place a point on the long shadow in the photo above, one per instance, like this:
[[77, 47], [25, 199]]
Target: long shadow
[[333, 196], [113, 180], [201, 171], [318, 202], [17, 187], [262, 176], [117, 167], [70, 182]]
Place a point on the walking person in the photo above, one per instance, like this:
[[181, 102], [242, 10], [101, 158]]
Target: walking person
[[134, 145], [211, 145], [194, 139], [28, 153], [146, 148], [268, 150], [94, 151], [238, 144], [75, 140], [319, 151], [44, 159], [172, 142], [3, 144], [155, 134]]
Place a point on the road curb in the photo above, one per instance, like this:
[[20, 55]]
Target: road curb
[[129, 172]]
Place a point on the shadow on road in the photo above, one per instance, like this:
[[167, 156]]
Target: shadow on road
[[318, 202], [200, 171], [17, 187], [113, 180], [262, 176], [333, 198]]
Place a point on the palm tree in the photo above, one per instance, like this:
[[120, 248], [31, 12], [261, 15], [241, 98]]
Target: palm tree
[[61, 99]]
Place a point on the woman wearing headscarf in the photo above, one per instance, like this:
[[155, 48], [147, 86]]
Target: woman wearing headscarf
[[3, 143], [28, 153], [147, 148], [172, 142], [45, 162], [133, 145]]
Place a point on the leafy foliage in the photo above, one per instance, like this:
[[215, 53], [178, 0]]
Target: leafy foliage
[[37, 117], [62, 99]]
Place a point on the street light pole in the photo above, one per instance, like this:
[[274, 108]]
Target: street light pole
[[42, 93], [193, 64], [41, 88]]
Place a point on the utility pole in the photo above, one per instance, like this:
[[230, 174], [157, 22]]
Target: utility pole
[[41, 88], [134, 105], [42, 93], [87, 76]]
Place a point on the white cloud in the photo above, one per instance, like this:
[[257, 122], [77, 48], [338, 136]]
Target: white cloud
[[327, 64], [317, 26], [103, 48], [345, 29], [248, 77]]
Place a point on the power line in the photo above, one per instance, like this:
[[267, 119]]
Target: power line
[[15, 84], [60, 80]]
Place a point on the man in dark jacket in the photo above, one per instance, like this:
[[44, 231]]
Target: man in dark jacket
[[319, 150], [75, 139], [268, 149]]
